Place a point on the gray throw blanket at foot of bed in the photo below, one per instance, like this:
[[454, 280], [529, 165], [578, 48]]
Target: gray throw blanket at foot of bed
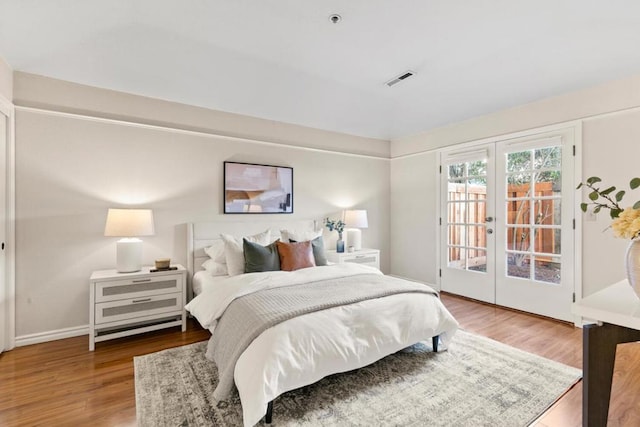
[[248, 316]]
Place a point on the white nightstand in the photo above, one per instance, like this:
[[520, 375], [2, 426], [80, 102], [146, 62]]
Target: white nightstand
[[369, 257], [123, 304]]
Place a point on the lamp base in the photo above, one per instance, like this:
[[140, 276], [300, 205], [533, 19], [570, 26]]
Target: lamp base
[[354, 238], [129, 255]]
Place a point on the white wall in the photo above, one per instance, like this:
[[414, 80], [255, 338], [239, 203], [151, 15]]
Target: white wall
[[414, 207], [611, 149], [51, 94], [6, 80], [612, 96], [70, 170]]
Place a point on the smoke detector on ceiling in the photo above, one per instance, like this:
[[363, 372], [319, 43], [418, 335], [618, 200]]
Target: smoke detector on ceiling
[[401, 77], [335, 18]]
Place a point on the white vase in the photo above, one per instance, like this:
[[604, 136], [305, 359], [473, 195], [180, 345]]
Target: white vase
[[632, 263]]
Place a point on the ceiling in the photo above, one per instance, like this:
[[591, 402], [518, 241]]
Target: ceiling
[[284, 60]]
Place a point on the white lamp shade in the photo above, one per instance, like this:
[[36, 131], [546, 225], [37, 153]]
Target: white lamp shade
[[129, 223], [356, 219]]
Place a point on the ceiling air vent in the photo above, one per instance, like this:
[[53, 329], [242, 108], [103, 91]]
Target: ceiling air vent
[[400, 78]]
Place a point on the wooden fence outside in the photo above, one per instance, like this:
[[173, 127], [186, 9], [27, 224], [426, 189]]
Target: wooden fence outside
[[476, 212], [518, 212]]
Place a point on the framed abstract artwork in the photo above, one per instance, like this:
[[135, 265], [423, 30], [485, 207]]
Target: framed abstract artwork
[[257, 189]]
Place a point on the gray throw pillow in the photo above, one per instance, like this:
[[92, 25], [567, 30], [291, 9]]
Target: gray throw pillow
[[317, 245], [258, 258]]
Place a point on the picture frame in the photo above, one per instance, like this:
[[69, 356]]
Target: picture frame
[[251, 188]]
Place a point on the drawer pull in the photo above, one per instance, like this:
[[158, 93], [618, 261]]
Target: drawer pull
[[140, 280], [141, 300]]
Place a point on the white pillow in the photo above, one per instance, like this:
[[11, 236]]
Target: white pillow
[[216, 252], [233, 250], [299, 236], [215, 268]]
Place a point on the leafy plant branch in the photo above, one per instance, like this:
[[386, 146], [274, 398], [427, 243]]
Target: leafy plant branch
[[332, 224], [605, 198]]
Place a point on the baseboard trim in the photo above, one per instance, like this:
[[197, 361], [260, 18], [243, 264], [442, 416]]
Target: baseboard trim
[[58, 334]]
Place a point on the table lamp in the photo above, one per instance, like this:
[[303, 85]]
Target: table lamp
[[355, 220], [129, 224]]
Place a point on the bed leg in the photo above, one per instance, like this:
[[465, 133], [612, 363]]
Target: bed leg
[[434, 343], [268, 416]]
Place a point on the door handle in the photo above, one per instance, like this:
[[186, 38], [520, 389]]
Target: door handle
[[488, 219], [489, 231]]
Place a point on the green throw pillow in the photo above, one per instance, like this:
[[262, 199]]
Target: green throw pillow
[[258, 258]]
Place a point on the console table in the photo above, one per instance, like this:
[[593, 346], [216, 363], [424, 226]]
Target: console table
[[616, 313]]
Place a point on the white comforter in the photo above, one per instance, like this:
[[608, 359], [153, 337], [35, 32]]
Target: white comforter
[[307, 348]]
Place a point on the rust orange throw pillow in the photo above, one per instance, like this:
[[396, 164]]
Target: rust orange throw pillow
[[294, 256]]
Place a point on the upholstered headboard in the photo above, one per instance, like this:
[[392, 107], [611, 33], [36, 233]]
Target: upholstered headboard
[[203, 234]]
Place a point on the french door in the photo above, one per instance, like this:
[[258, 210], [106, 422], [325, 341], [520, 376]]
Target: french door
[[507, 224], [467, 235]]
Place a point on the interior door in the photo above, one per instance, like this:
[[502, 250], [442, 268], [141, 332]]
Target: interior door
[[534, 241], [506, 221], [467, 239]]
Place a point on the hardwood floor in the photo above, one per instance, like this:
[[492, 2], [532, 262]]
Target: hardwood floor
[[561, 342], [61, 383]]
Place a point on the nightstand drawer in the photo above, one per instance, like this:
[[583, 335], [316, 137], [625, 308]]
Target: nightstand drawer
[[140, 287], [137, 307], [368, 259]]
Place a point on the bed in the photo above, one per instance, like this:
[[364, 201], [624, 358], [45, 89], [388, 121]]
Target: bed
[[363, 316]]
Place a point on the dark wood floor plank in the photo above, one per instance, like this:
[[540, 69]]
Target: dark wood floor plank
[[61, 383]]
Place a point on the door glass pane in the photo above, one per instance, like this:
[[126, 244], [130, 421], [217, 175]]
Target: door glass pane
[[457, 235], [457, 258], [519, 265], [519, 184], [519, 161], [477, 190], [477, 260], [477, 236], [547, 241], [547, 183], [476, 212], [518, 212], [549, 157], [456, 170], [457, 213], [547, 269], [547, 212], [457, 190], [477, 168], [518, 238]]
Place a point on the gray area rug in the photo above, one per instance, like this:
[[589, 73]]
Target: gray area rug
[[477, 382]]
